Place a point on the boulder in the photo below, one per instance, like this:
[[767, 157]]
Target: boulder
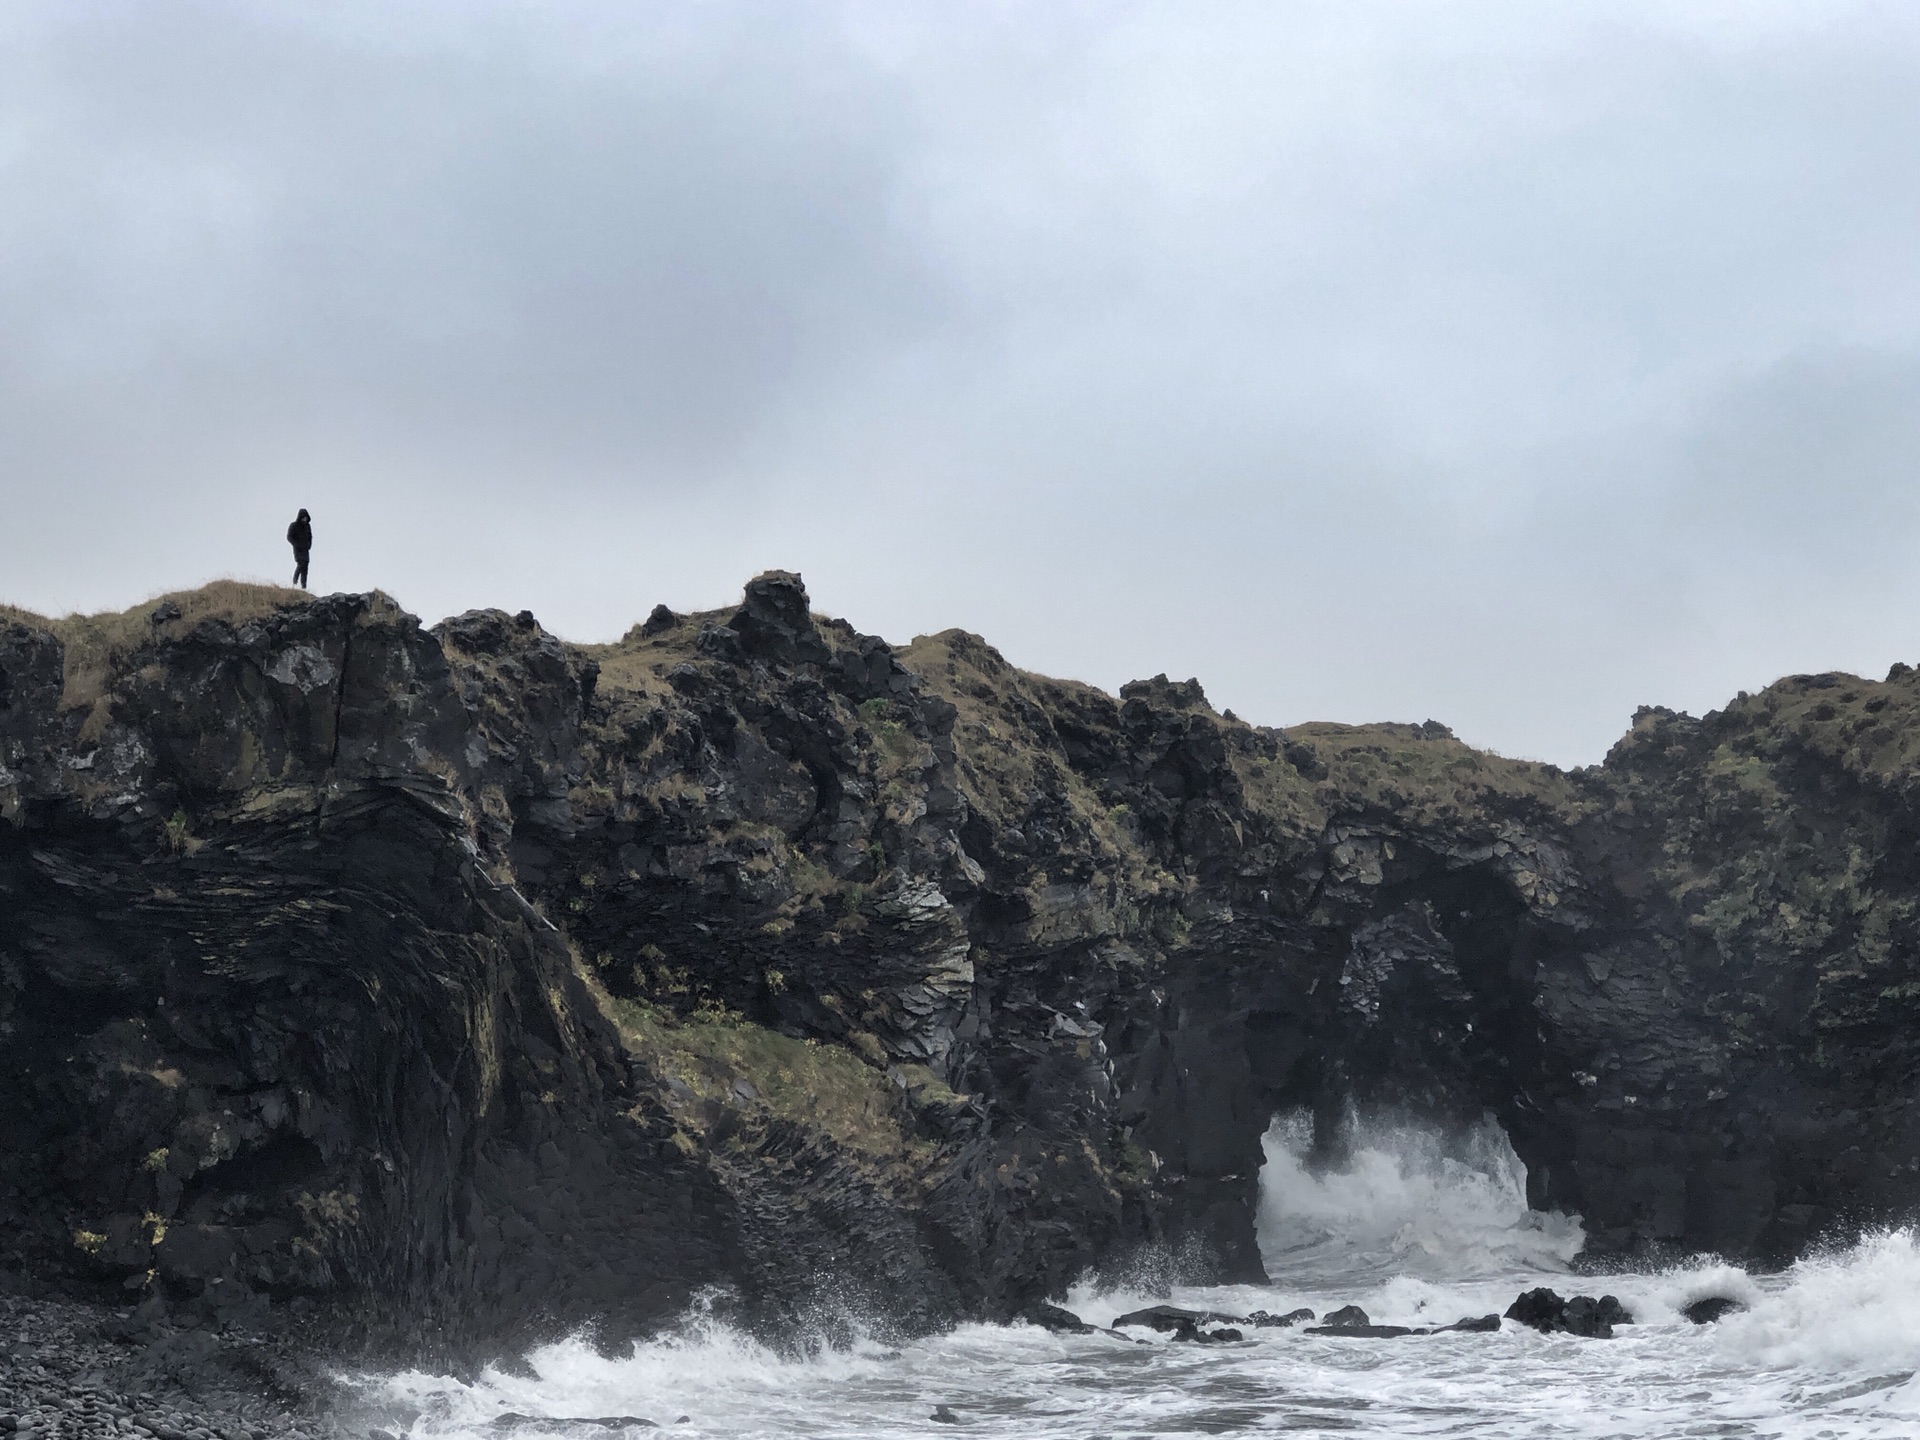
[[1544, 1310], [1482, 1324], [1585, 1315], [1168, 1318], [1060, 1322], [1474, 1324], [193, 1255], [1188, 1330], [1366, 1332], [515, 1421], [1705, 1312], [1265, 1321], [774, 621], [1345, 1318]]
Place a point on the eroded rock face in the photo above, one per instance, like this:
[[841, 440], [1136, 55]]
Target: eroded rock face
[[484, 978]]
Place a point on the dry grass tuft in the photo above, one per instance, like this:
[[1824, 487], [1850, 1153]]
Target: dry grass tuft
[[97, 645]]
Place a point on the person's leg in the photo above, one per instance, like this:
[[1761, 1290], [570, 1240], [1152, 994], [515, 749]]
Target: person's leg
[[300, 571]]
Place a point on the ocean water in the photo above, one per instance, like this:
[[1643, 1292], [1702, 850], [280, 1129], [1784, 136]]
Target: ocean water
[[1416, 1230]]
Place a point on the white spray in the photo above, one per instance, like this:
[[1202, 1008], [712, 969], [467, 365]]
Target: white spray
[[1407, 1201]]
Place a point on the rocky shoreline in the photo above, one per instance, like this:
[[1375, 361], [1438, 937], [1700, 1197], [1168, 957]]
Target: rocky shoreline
[[70, 1370]]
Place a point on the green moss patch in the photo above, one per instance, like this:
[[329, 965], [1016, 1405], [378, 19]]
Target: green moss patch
[[722, 1057]]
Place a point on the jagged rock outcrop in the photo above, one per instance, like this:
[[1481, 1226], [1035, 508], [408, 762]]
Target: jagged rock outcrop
[[485, 980]]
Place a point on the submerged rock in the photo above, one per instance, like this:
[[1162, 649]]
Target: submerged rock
[[1190, 1331], [1541, 1308], [1052, 1317], [1166, 1318], [1479, 1324], [1364, 1332], [512, 1420], [1705, 1312], [1367, 1330], [1265, 1321]]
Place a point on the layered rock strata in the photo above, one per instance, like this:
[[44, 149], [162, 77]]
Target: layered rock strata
[[484, 981]]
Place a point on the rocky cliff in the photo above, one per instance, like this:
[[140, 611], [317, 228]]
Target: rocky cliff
[[484, 982]]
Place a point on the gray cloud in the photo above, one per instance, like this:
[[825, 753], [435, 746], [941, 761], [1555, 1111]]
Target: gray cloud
[[1506, 363]]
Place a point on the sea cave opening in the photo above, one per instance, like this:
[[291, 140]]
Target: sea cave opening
[[1400, 1193], [1401, 1130]]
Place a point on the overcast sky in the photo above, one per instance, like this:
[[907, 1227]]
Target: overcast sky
[[1510, 363]]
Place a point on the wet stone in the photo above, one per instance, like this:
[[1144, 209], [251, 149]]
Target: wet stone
[[1262, 1320], [1169, 1318], [1057, 1320], [1707, 1311]]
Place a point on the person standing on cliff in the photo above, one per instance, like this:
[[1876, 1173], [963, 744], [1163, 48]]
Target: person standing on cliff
[[300, 536]]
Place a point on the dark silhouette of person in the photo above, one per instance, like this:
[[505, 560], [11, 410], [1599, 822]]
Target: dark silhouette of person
[[300, 536]]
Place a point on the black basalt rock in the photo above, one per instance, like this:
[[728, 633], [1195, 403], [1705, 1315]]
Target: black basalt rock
[[1544, 1310], [1713, 1307], [1364, 1332], [774, 621], [1585, 1316], [1474, 1325], [1190, 1332], [513, 1420], [1345, 1317], [1541, 1309], [1057, 1320], [1482, 1324], [1265, 1321], [1166, 1318]]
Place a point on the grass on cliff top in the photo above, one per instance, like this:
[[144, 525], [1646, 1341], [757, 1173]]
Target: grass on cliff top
[[1427, 780], [1011, 752], [97, 645], [1780, 811], [809, 1083], [1869, 728], [639, 663], [1011, 757]]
